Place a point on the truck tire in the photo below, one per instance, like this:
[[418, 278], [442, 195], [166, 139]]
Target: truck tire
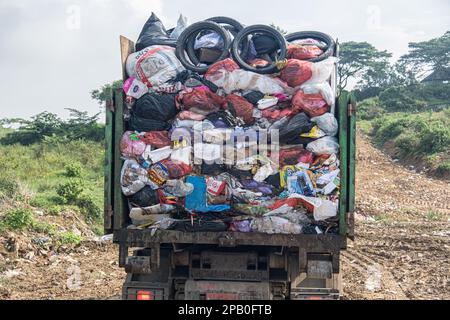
[[187, 37], [235, 48], [329, 47]]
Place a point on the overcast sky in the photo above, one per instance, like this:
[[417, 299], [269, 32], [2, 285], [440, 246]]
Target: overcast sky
[[54, 52]]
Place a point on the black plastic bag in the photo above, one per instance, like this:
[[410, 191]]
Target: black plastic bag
[[297, 125], [153, 33], [254, 96], [160, 107], [147, 125], [265, 44], [147, 197]]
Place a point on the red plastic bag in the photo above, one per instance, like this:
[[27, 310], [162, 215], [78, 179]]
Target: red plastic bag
[[244, 109], [277, 114], [293, 156], [200, 100], [176, 169], [312, 104], [218, 68], [297, 72], [300, 52], [157, 139]]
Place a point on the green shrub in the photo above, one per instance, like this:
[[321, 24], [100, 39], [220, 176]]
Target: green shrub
[[69, 238], [73, 170], [443, 168], [18, 219], [89, 207], [44, 228], [71, 190], [370, 109]]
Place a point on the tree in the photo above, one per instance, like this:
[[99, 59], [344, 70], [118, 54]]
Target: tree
[[102, 94], [428, 56], [359, 58]]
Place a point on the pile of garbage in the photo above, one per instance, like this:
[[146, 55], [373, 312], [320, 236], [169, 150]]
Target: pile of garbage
[[231, 128]]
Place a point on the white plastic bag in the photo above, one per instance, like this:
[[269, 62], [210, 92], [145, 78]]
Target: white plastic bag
[[248, 81], [275, 225], [322, 71], [324, 89], [133, 178], [157, 155], [181, 26], [323, 209], [326, 145], [154, 66], [210, 40], [328, 124], [183, 155]]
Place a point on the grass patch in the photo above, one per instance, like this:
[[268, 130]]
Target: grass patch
[[17, 219], [69, 238]]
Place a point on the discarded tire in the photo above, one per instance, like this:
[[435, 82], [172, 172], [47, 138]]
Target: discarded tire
[[191, 33], [328, 49], [237, 52]]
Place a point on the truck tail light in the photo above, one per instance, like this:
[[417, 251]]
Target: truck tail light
[[145, 295]]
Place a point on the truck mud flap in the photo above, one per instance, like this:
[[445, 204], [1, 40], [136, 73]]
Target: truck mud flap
[[223, 290]]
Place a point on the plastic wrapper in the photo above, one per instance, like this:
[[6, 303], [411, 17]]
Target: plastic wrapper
[[196, 201], [144, 198], [328, 124], [209, 40], [321, 208], [315, 133], [200, 100], [131, 145], [297, 72], [189, 115], [326, 145], [275, 225], [134, 88], [154, 66], [157, 155], [312, 104], [133, 178]]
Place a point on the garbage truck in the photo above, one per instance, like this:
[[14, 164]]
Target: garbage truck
[[177, 265]]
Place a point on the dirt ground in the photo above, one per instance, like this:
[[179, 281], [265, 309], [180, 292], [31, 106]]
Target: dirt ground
[[402, 247]]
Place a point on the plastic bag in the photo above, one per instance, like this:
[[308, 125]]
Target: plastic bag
[[321, 71], [156, 155], [154, 66], [131, 145], [218, 70], [293, 156], [181, 26], [144, 198], [326, 145], [324, 89], [210, 40], [176, 169], [241, 108], [147, 125], [156, 139], [133, 178], [275, 225], [297, 72], [196, 201], [295, 127], [248, 81], [321, 208], [328, 124], [243, 226], [200, 100], [183, 155], [153, 33], [312, 104], [302, 52], [134, 88]]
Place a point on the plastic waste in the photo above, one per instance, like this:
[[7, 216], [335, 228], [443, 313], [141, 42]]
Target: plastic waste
[[315, 133], [154, 66], [243, 226], [321, 71], [297, 72], [326, 145], [182, 24], [324, 89], [294, 128], [312, 104], [215, 187], [183, 155], [303, 52], [151, 215], [156, 139], [144, 198], [133, 178], [240, 107], [131, 145], [200, 100], [275, 225], [153, 33], [196, 201], [154, 156], [267, 102], [300, 183], [321, 208], [178, 188], [134, 88], [327, 123], [210, 40]]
